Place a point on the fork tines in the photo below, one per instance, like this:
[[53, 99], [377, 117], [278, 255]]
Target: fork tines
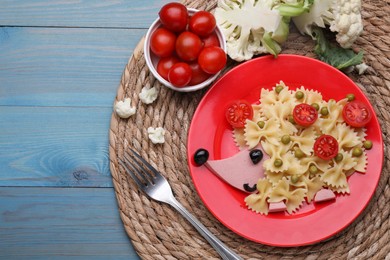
[[140, 170]]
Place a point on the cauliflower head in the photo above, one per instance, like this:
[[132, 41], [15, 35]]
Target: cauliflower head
[[342, 16], [251, 27]]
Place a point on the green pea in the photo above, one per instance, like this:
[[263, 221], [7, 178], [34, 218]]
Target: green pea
[[357, 151], [278, 88], [339, 157], [291, 119], [261, 124], [299, 95], [316, 106], [324, 111], [286, 139], [278, 163], [313, 169], [294, 178], [350, 97], [298, 153], [367, 144]]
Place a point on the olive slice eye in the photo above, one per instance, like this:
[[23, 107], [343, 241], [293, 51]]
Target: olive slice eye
[[256, 155], [249, 188]]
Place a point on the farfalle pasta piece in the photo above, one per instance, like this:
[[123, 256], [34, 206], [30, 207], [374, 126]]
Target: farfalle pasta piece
[[328, 123], [305, 140], [313, 185], [294, 198], [361, 162], [340, 190], [257, 113], [309, 96], [335, 177], [253, 132], [321, 164], [281, 113], [275, 153], [346, 136], [257, 202], [239, 138], [294, 165], [274, 177]]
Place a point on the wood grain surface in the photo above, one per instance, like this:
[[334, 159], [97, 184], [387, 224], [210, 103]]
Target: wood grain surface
[[60, 66]]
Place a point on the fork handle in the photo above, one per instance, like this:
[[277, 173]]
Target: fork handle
[[225, 252]]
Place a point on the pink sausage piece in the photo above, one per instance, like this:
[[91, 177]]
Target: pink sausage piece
[[324, 195], [238, 169], [276, 207]]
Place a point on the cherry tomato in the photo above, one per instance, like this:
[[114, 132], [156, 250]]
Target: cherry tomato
[[304, 114], [202, 23], [174, 17], [188, 46], [198, 75], [237, 112], [326, 147], [356, 114], [165, 64], [162, 42], [211, 40], [212, 59], [180, 74]]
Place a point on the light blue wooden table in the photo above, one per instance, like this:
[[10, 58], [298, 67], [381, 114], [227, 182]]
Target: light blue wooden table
[[60, 66]]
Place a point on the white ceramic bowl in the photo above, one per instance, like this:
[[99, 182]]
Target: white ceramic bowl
[[152, 59]]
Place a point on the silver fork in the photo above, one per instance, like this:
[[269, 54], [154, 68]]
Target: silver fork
[[150, 181]]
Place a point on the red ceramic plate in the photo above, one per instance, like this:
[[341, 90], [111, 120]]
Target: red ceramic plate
[[210, 130]]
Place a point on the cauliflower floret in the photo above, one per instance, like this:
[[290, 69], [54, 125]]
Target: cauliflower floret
[[123, 108], [342, 16], [156, 135], [148, 95], [248, 27]]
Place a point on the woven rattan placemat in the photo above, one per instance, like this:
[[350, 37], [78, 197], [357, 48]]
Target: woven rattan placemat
[[157, 231]]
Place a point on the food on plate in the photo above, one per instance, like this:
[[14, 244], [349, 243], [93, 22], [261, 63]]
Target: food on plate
[[356, 114], [241, 170], [148, 95], [237, 112], [305, 114], [124, 109], [185, 38], [299, 162], [256, 27], [201, 156], [156, 135]]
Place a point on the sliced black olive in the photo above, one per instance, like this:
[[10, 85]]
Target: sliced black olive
[[201, 156], [256, 155], [250, 189]]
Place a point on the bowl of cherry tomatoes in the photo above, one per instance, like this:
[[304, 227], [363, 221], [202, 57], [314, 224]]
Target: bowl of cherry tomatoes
[[184, 48]]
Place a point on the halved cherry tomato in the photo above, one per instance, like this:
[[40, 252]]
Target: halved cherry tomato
[[162, 42], [356, 114], [237, 112], [174, 17], [188, 46], [326, 147], [202, 23], [212, 59], [180, 74], [165, 64], [304, 114]]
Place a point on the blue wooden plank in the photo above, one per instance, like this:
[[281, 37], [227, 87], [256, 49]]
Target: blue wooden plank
[[63, 66], [61, 223], [83, 13], [54, 146]]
